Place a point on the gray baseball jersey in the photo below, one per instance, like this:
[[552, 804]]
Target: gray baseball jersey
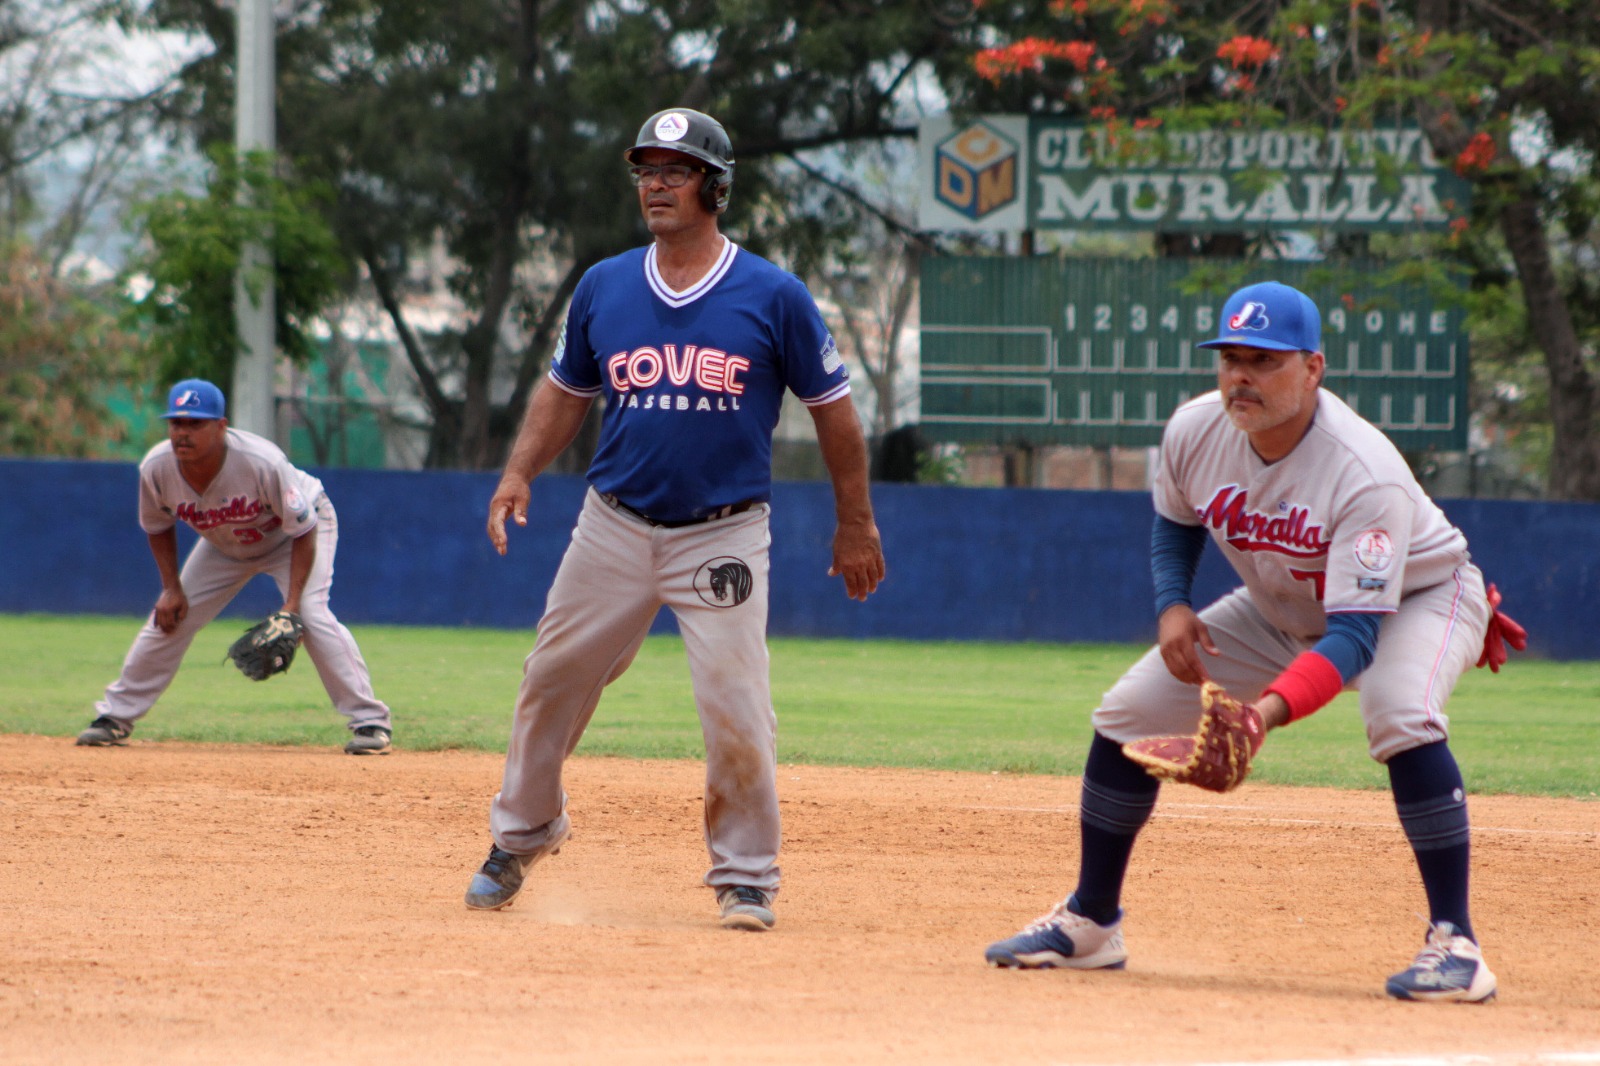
[[248, 518], [1338, 524], [257, 503]]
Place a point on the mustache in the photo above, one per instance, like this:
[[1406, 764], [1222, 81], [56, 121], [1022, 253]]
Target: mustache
[[1244, 394]]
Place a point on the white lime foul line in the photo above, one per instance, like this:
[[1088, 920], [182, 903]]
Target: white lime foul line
[[1250, 814], [1523, 1058]]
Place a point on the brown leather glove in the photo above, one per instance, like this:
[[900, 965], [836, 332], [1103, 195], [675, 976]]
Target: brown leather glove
[[1217, 757]]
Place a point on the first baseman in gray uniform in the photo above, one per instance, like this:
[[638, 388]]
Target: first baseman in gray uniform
[[1352, 579], [693, 342], [256, 513]]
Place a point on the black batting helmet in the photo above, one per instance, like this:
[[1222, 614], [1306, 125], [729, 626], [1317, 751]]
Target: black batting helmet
[[694, 134]]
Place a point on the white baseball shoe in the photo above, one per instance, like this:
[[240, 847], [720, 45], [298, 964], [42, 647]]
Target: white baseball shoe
[[1062, 938], [1449, 969]]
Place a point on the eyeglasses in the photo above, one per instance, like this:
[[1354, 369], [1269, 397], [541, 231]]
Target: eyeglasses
[[673, 175]]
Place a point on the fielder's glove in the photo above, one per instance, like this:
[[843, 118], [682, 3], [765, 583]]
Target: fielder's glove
[[1218, 756], [267, 647]]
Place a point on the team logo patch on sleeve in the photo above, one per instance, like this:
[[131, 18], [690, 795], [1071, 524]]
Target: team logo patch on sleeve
[[724, 581], [561, 345], [1374, 550], [296, 502], [831, 359]]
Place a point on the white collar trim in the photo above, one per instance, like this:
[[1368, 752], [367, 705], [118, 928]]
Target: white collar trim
[[673, 298]]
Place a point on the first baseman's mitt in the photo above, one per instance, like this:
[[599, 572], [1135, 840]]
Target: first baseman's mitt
[[267, 647], [1218, 756]]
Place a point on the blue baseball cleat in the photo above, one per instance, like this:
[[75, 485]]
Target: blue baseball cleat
[[1062, 938], [500, 878], [1450, 969]]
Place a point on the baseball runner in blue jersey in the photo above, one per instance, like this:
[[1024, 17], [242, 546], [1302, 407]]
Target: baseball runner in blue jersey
[[692, 342], [1352, 579], [256, 513]]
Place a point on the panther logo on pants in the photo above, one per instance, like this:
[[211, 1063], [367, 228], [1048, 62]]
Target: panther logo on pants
[[724, 581]]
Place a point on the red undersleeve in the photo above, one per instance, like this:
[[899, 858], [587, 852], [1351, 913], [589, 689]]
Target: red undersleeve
[[1310, 683]]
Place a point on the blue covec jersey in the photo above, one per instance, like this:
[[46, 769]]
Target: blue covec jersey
[[693, 380]]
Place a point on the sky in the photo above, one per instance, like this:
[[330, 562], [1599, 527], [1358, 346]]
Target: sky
[[81, 55], [76, 57]]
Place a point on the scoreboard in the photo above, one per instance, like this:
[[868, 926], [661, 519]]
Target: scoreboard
[[1100, 352]]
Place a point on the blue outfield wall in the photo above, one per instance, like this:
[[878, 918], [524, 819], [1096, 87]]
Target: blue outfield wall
[[964, 563]]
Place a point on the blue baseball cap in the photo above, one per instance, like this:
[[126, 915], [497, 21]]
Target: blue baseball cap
[[194, 398], [1271, 315]]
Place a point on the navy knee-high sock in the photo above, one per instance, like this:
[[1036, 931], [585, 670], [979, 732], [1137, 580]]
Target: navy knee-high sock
[[1117, 799], [1431, 800]]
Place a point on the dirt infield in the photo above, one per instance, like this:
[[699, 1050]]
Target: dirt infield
[[169, 903]]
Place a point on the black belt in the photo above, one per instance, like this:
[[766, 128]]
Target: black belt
[[721, 512]]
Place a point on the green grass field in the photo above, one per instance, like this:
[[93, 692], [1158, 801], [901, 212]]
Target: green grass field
[[1532, 729]]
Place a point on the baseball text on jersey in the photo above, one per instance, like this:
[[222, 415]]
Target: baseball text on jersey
[[1289, 533], [237, 511], [712, 370], [680, 402]]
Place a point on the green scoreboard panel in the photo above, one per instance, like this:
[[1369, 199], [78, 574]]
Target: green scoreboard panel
[[1100, 352]]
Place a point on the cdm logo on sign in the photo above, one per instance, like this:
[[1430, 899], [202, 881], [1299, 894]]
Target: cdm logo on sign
[[976, 171], [1015, 172]]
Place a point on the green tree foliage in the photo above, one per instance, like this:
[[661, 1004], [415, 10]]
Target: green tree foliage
[[193, 244], [61, 349], [498, 125], [1509, 93]]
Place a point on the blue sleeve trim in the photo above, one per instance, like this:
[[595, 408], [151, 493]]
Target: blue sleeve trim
[[1350, 642], [1175, 551]]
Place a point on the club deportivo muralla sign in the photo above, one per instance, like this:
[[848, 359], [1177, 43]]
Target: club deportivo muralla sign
[[1015, 172]]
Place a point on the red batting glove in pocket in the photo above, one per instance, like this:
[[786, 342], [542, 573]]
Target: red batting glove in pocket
[[1502, 630]]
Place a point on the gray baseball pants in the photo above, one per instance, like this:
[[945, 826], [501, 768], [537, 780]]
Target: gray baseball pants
[[616, 575], [211, 580], [1423, 649]]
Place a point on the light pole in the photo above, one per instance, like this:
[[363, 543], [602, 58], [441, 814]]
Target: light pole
[[251, 404]]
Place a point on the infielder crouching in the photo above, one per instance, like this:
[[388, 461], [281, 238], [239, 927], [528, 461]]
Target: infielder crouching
[[1353, 578], [256, 513]]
